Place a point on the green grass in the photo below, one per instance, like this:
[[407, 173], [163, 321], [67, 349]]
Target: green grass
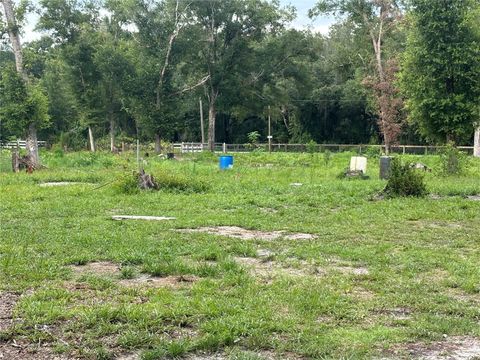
[[422, 255]]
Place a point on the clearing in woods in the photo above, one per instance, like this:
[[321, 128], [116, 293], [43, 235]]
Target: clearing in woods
[[250, 268]]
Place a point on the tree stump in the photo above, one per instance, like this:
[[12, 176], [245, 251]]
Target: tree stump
[[146, 181], [22, 162]]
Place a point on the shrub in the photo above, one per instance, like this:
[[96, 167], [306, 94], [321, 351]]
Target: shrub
[[454, 161], [253, 138], [404, 181], [128, 184], [311, 147]]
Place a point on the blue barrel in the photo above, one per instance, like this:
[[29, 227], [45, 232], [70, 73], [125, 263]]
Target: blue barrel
[[226, 162]]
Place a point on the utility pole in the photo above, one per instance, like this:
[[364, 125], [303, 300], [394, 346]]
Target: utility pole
[[201, 123], [269, 131]]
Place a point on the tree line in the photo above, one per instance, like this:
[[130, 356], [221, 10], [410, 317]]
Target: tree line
[[116, 70]]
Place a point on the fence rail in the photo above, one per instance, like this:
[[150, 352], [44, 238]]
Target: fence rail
[[195, 147], [191, 147], [21, 144]]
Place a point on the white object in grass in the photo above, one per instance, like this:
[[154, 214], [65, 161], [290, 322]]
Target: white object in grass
[[148, 218], [358, 163]]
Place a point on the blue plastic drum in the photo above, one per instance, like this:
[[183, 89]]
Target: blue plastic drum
[[226, 162]]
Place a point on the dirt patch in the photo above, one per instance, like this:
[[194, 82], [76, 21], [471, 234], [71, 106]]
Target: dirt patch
[[269, 269], [362, 294], [130, 356], [261, 355], [159, 282], [245, 234], [435, 224], [345, 267], [263, 253], [459, 295], [268, 210], [97, 268], [474, 197], [396, 313], [7, 304], [350, 270], [23, 351], [453, 348]]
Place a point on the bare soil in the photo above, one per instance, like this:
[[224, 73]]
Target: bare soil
[[158, 282], [7, 304], [452, 348], [24, 351], [268, 269], [107, 268], [245, 234], [97, 268], [18, 349]]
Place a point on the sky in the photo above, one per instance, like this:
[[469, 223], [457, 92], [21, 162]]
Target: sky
[[320, 24]]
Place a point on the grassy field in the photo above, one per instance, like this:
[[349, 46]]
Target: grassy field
[[387, 278]]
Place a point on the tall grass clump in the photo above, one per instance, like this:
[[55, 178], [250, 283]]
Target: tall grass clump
[[129, 184]]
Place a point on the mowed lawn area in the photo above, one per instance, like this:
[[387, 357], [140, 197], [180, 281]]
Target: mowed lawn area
[[278, 258]]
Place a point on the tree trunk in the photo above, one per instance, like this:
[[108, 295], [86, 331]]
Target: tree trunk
[[14, 36], [112, 133], [212, 114], [158, 146], [90, 139], [32, 146], [476, 144]]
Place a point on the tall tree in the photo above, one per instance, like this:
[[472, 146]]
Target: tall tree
[[375, 19], [13, 29], [228, 31], [441, 66]]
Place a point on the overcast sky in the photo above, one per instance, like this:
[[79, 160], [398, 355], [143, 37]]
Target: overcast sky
[[320, 24]]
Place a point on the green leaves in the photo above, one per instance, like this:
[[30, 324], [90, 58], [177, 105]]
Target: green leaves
[[440, 69], [21, 104]]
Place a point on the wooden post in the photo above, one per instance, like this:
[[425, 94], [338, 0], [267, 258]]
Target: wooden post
[[202, 129], [224, 148], [90, 138], [476, 142], [269, 131], [138, 153]]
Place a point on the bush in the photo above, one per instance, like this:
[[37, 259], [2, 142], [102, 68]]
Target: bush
[[454, 161], [311, 147], [404, 181]]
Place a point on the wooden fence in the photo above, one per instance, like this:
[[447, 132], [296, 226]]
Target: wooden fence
[[193, 147], [21, 144]]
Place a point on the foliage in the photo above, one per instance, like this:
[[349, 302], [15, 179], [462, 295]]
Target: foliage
[[253, 138], [373, 152], [440, 69], [170, 182], [22, 104], [454, 161], [311, 147], [404, 181]]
